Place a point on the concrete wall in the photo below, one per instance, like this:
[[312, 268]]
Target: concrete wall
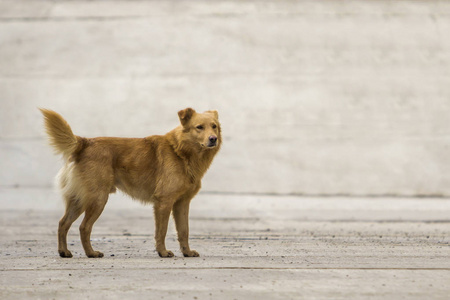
[[315, 97]]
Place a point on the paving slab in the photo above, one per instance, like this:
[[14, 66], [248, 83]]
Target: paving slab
[[252, 247]]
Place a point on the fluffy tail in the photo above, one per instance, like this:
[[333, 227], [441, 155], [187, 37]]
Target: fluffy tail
[[60, 133]]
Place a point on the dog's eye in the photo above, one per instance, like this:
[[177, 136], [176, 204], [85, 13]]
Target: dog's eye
[[200, 127], [214, 126]]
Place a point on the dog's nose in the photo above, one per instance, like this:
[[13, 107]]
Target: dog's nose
[[213, 139]]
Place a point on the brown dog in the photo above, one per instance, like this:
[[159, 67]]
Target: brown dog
[[165, 170]]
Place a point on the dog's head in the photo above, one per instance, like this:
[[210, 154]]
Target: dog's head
[[201, 128]]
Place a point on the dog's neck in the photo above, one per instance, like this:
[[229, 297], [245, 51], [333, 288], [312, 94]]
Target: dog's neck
[[196, 158]]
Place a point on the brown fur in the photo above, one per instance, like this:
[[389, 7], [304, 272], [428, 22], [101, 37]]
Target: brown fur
[[165, 170]]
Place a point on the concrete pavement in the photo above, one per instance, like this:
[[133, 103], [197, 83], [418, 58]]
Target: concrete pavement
[[251, 247]]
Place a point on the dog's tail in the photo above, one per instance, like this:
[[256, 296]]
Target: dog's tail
[[61, 136]]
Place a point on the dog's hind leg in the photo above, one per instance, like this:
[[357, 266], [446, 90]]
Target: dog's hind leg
[[73, 211], [93, 211]]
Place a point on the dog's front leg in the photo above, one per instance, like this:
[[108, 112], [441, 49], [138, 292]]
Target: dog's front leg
[[162, 214], [181, 217]]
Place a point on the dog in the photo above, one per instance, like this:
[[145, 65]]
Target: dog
[[165, 170]]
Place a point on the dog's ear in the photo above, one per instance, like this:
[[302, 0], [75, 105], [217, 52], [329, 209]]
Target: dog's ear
[[185, 115], [214, 112]]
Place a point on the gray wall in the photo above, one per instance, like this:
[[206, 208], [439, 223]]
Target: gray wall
[[315, 97]]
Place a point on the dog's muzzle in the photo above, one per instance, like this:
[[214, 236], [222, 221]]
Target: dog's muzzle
[[212, 141]]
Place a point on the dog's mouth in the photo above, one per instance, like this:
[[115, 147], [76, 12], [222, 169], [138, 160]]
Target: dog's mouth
[[210, 145]]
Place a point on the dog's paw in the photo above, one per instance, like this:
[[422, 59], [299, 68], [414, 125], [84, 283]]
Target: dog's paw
[[65, 253], [166, 253], [191, 253], [95, 254]]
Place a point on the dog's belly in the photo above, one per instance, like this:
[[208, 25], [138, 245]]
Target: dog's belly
[[150, 193], [143, 194]]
